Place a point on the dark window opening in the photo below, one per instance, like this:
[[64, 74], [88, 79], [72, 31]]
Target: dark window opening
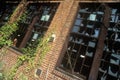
[[45, 13], [19, 34], [83, 40], [6, 10], [110, 63]]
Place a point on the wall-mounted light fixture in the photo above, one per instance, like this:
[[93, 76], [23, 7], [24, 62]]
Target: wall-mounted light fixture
[[52, 38]]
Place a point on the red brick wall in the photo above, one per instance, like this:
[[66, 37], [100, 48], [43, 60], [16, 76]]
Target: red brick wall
[[62, 24], [9, 58]]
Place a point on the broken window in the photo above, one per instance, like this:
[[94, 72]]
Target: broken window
[[110, 63], [45, 13], [6, 11], [83, 40]]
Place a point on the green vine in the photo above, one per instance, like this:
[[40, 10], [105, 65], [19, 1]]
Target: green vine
[[42, 49], [8, 75], [22, 77], [33, 56], [30, 55], [5, 32]]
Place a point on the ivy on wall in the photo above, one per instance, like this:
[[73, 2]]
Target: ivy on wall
[[5, 33], [33, 56], [11, 26], [5, 41]]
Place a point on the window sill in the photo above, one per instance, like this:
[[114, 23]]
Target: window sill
[[65, 75], [15, 50]]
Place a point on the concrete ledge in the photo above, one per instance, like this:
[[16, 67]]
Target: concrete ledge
[[15, 50], [65, 75]]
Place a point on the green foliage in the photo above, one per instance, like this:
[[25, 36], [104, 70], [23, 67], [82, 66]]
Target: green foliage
[[1, 76], [27, 57], [11, 73], [22, 77], [1, 65], [5, 33], [23, 17], [42, 48], [7, 30], [29, 53]]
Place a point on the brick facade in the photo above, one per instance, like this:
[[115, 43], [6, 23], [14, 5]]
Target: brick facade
[[9, 58], [61, 26], [63, 21]]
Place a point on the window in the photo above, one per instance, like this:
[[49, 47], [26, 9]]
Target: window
[[110, 63], [6, 10], [32, 29], [83, 40]]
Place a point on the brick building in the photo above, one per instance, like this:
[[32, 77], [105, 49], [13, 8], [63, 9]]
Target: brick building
[[86, 38]]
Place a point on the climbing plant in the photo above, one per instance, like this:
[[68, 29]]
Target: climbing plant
[[5, 41], [22, 77], [5, 33], [42, 49], [9, 27], [33, 56], [30, 56], [8, 75]]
